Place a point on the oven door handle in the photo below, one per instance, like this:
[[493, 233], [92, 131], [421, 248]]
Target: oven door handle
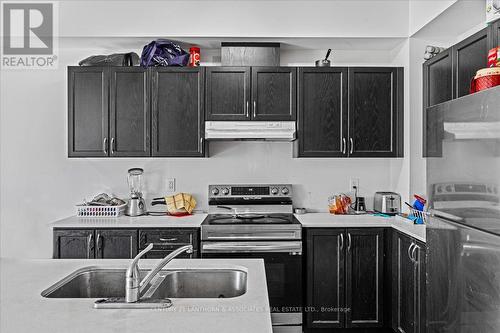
[[235, 247]]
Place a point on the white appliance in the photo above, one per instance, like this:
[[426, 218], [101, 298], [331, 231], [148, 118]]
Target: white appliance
[[250, 130], [492, 10]]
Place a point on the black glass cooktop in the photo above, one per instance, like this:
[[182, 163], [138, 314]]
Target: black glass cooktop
[[214, 219]]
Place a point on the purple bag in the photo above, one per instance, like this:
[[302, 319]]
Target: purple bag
[[162, 52]]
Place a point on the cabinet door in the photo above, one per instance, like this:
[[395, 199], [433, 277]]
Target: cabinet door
[[322, 112], [420, 291], [438, 79], [274, 93], [228, 93], [116, 244], [495, 35], [88, 112], [375, 112], [469, 56], [364, 277], [404, 310], [178, 119], [73, 244], [130, 114], [325, 278]]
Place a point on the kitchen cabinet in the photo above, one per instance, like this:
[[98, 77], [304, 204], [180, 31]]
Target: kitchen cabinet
[[121, 243], [350, 112], [376, 112], [251, 93], [408, 285], [469, 56], [345, 278], [322, 116], [494, 34], [178, 112], [364, 277], [167, 240], [130, 114], [88, 111], [274, 93], [438, 79], [73, 244], [228, 93], [325, 278], [115, 244]]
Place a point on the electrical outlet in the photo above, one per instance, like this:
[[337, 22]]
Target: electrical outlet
[[171, 184], [354, 184]]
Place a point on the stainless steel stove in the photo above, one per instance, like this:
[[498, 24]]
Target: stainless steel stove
[[256, 221]]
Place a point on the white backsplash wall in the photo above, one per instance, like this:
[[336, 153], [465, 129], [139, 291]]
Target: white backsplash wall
[[40, 184]]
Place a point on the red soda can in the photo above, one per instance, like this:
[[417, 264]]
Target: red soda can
[[194, 56]]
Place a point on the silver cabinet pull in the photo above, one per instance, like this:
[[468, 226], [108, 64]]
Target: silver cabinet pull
[[343, 146], [352, 146], [254, 108], [348, 242], [410, 249], [168, 239], [105, 146], [112, 146], [413, 253], [247, 112], [201, 145], [98, 241], [89, 245], [341, 241]]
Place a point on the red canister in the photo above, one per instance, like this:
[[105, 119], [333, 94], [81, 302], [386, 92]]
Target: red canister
[[194, 56]]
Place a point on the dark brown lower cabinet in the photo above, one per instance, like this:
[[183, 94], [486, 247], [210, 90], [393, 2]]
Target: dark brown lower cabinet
[[408, 285], [121, 243], [345, 279], [116, 244]]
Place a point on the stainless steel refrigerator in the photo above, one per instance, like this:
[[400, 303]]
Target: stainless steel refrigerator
[[462, 146]]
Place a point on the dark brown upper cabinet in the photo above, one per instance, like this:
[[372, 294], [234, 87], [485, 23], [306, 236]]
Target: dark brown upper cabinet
[[494, 34], [322, 112], [130, 116], [178, 112], [228, 93], [375, 112], [88, 112], [438, 79], [108, 112], [469, 56], [274, 93]]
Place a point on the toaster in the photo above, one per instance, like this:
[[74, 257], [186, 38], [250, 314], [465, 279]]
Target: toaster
[[387, 203]]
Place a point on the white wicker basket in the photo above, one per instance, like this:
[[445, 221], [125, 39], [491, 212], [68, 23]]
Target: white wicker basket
[[100, 211]]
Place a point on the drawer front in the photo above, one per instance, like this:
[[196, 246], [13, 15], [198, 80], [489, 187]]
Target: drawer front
[[167, 239], [160, 254]]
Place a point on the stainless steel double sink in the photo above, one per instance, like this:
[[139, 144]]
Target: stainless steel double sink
[[109, 283]]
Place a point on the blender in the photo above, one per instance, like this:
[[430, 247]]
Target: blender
[[136, 204]]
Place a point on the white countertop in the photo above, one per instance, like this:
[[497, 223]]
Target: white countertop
[[24, 310], [190, 221], [327, 220]]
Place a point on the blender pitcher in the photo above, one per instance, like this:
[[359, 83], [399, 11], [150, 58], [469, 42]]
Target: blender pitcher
[[136, 205]]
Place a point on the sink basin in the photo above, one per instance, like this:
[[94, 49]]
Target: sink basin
[[93, 282]]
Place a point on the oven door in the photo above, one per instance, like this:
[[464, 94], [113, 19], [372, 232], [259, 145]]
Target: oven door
[[283, 265]]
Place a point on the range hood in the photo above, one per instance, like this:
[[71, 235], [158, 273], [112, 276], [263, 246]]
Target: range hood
[[473, 130], [250, 130]]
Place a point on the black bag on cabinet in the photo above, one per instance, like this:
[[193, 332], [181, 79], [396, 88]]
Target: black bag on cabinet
[[115, 59]]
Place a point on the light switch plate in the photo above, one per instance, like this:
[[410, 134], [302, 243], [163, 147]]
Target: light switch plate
[[171, 184]]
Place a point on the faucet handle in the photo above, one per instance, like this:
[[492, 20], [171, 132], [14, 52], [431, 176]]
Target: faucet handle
[[132, 269]]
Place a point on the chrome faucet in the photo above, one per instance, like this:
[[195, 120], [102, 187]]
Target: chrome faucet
[[133, 288]]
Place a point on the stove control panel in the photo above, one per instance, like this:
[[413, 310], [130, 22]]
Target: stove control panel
[[250, 191]]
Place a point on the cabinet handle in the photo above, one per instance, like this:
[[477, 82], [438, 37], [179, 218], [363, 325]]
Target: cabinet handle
[[89, 245], [343, 146], [98, 241], [352, 146], [201, 145], [247, 112], [112, 146], [413, 253], [341, 241], [410, 249], [168, 239], [254, 108], [105, 146], [348, 242]]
